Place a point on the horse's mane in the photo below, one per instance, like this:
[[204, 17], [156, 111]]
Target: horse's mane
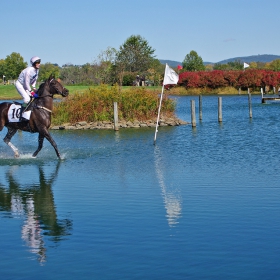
[[41, 85]]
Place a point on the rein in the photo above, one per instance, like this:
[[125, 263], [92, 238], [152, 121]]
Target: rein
[[44, 108]]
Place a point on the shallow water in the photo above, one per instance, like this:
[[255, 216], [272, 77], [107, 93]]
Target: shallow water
[[203, 203]]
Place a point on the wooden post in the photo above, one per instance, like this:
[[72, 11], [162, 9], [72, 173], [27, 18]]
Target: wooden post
[[116, 119], [200, 107], [250, 105], [193, 113], [220, 115], [262, 95]]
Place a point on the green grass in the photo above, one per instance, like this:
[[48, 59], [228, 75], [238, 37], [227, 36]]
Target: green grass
[[9, 92]]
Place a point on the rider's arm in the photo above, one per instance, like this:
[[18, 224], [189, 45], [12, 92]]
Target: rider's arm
[[27, 80], [33, 85]]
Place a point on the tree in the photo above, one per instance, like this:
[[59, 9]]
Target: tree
[[135, 56], [14, 64], [231, 65], [2, 68], [47, 69], [155, 72], [103, 66], [193, 62], [275, 65]]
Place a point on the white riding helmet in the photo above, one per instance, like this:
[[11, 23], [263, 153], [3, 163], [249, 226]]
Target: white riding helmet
[[35, 59]]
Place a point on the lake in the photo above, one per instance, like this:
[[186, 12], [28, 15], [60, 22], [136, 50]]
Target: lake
[[203, 203]]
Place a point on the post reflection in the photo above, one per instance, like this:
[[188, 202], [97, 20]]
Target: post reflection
[[34, 203], [171, 195]]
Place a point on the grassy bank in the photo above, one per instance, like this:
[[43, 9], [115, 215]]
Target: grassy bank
[[9, 92]]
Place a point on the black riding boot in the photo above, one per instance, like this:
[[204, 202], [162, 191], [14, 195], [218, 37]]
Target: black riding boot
[[24, 107], [22, 110]]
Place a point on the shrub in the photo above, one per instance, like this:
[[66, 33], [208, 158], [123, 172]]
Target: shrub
[[96, 104]]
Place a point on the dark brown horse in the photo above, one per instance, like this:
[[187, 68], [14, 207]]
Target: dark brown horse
[[40, 119]]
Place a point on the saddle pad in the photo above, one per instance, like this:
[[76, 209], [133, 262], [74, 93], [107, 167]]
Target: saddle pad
[[14, 113]]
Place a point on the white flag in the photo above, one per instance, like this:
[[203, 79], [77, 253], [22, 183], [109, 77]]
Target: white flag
[[170, 76], [246, 65]]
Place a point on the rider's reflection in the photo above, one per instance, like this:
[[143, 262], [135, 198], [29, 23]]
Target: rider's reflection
[[35, 202]]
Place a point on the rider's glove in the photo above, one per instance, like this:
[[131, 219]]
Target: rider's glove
[[35, 95]]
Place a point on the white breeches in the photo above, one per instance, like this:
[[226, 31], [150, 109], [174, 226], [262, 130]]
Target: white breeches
[[24, 93]]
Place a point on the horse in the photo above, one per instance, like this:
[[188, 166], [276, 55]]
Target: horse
[[40, 118]]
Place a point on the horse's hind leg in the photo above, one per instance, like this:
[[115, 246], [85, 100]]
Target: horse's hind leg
[[11, 132]]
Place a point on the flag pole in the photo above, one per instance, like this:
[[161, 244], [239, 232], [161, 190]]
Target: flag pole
[[158, 114], [170, 78]]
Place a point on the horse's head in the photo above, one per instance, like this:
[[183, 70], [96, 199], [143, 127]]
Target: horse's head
[[56, 87]]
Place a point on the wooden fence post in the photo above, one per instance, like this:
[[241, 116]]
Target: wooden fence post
[[200, 107], [116, 119], [220, 115], [193, 113], [250, 105]]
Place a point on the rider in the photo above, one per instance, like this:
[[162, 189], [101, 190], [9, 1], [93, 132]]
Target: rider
[[26, 82]]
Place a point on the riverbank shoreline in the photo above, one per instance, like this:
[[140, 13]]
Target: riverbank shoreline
[[83, 125]]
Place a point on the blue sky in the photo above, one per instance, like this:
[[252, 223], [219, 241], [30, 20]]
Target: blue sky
[[78, 31]]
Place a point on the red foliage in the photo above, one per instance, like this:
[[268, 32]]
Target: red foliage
[[232, 77], [249, 78], [190, 79]]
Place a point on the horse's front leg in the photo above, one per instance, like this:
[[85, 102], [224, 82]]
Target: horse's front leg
[[42, 135], [40, 144], [11, 132], [50, 139]]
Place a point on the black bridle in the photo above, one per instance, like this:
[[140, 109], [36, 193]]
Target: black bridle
[[52, 94]]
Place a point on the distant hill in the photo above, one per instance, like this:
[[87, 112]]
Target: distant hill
[[171, 63], [257, 58]]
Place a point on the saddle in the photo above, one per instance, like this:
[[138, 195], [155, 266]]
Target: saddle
[[18, 113]]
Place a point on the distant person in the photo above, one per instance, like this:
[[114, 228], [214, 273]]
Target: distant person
[[143, 81], [137, 80], [26, 83]]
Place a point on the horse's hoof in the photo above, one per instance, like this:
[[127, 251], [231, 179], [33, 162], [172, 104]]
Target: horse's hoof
[[16, 155]]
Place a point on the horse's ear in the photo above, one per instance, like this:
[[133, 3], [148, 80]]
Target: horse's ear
[[51, 77]]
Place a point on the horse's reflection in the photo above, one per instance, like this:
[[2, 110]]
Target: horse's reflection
[[34, 202]]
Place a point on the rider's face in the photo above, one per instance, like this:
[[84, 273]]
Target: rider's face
[[37, 65]]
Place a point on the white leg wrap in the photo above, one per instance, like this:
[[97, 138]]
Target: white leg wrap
[[13, 148]]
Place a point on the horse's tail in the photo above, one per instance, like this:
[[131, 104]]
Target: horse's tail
[[4, 108]]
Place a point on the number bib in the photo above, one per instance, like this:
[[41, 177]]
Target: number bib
[[14, 113]]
